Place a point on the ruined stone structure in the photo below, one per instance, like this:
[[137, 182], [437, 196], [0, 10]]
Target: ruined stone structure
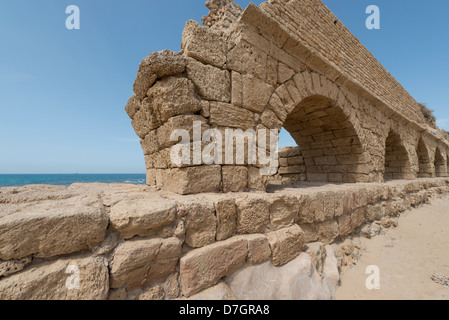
[[287, 64]]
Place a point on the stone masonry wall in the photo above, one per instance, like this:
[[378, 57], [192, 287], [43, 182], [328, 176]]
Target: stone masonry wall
[[96, 241], [287, 64]]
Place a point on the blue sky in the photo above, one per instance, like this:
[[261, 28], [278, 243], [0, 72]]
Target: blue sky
[[63, 92]]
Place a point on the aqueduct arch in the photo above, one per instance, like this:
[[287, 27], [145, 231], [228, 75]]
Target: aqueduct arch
[[270, 67], [440, 164]]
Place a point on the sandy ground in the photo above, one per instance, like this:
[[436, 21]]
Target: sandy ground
[[406, 256]]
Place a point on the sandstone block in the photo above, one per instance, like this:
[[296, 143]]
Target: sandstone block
[[157, 65], [286, 244], [255, 93], [139, 263], [51, 229], [226, 218], [173, 96], [132, 106], [192, 179], [203, 44], [172, 287], [154, 293], [253, 215], [212, 83], [258, 248], [235, 178], [63, 279], [256, 181], [227, 115], [142, 216], [201, 224], [283, 211], [204, 267], [328, 231]]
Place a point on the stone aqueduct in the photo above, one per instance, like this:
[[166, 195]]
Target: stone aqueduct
[[287, 64]]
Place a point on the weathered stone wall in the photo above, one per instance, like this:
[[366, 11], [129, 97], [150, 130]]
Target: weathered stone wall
[[133, 242], [287, 64]]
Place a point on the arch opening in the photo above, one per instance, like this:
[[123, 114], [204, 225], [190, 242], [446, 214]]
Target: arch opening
[[425, 166], [328, 142], [440, 164], [397, 162]]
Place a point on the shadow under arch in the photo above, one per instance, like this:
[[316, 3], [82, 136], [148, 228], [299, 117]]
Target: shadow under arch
[[440, 164], [425, 166], [397, 160], [328, 141]]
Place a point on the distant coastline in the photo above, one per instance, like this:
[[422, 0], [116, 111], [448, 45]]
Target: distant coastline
[[19, 180]]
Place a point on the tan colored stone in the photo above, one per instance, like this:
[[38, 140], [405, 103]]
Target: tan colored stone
[[284, 73], [173, 96], [13, 266], [247, 59], [201, 224], [219, 292], [235, 178], [140, 217], [212, 83], [227, 115], [258, 248], [286, 244], [57, 280], [226, 218], [253, 215], [204, 267], [255, 93], [203, 44], [284, 211], [256, 181], [192, 179], [51, 229], [157, 65], [172, 290], [328, 231], [132, 106], [237, 89], [141, 262], [154, 293]]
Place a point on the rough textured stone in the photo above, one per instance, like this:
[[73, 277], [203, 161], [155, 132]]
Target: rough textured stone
[[173, 96], [235, 178], [296, 280], [13, 266], [227, 115], [218, 292], [258, 248], [192, 179], [47, 230], [253, 215], [157, 65], [283, 211], [212, 83], [256, 181], [202, 268], [226, 218], [255, 94], [141, 262], [141, 217], [172, 287], [154, 293], [56, 280], [202, 44], [201, 224], [286, 244]]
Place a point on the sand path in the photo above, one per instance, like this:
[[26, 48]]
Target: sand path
[[406, 256]]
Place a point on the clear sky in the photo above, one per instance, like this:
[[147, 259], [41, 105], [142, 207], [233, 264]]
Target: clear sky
[[63, 92]]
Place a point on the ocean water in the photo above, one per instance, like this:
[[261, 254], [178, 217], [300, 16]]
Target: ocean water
[[18, 180]]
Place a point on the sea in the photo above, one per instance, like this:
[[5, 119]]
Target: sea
[[19, 180]]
